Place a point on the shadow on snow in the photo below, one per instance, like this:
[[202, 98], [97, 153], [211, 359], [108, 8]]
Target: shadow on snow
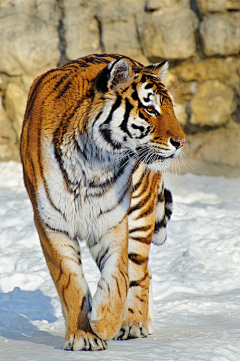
[[17, 311]]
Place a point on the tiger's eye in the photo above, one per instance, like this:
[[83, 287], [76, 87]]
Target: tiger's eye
[[151, 110]]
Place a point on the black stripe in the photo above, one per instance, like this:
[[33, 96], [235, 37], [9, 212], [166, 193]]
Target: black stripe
[[56, 229], [135, 95], [103, 259], [168, 196], [58, 137], [136, 258], [106, 131], [159, 225], [107, 135], [115, 106], [137, 283], [124, 123], [60, 81], [64, 89], [149, 85], [97, 117], [134, 284], [142, 116], [168, 212], [102, 80], [145, 240], [140, 204], [35, 89], [41, 167], [117, 283], [147, 212], [126, 280], [137, 229], [138, 184]]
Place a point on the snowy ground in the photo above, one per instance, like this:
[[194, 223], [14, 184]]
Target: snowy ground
[[196, 279]]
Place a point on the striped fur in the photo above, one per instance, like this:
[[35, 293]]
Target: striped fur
[[97, 134]]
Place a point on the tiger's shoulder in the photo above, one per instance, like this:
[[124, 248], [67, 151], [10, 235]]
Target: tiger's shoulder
[[73, 81], [74, 71]]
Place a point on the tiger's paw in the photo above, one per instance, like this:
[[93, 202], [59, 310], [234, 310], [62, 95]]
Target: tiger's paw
[[81, 340], [131, 329]]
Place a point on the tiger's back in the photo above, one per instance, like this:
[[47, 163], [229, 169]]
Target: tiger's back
[[96, 136]]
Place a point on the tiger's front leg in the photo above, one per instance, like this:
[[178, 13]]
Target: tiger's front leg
[[63, 258], [138, 321], [109, 302]]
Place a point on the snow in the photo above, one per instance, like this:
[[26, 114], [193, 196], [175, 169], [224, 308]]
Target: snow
[[196, 279]]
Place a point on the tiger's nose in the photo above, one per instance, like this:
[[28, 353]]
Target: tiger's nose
[[178, 143]]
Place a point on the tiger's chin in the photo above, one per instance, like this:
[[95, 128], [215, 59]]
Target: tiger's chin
[[159, 165]]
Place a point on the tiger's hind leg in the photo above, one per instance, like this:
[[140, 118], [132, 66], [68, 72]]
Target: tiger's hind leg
[[138, 321], [64, 262]]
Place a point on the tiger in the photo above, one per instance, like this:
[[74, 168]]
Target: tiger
[[97, 135]]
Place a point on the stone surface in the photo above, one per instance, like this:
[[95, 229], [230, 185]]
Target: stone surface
[[9, 149], [168, 34], [206, 6], [28, 36], [15, 103], [213, 104], [118, 28], [204, 75], [6, 127], [181, 114], [125, 40], [215, 152], [201, 70], [221, 34], [82, 32], [160, 4]]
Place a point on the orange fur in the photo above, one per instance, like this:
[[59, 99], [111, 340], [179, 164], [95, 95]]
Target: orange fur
[[62, 106]]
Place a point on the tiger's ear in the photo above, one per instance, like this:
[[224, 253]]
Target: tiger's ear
[[159, 69], [120, 73]]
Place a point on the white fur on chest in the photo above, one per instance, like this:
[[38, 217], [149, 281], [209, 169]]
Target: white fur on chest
[[88, 212]]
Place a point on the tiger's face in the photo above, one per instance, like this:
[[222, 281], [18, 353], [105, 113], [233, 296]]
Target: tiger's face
[[135, 114]]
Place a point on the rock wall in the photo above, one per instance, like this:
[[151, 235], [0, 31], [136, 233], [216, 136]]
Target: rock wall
[[200, 38]]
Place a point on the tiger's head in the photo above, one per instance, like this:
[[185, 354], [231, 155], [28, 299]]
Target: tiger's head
[[133, 113]]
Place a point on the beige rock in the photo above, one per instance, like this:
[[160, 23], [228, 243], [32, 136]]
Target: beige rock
[[180, 112], [232, 5], [6, 127], [125, 39], [226, 70], [8, 151], [15, 103], [201, 70], [159, 4], [183, 91], [118, 10], [220, 34], [168, 34], [118, 28], [233, 64], [28, 36], [215, 152], [213, 104], [81, 28], [206, 6]]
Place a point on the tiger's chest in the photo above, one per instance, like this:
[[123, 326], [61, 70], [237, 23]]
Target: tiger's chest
[[82, 201]]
